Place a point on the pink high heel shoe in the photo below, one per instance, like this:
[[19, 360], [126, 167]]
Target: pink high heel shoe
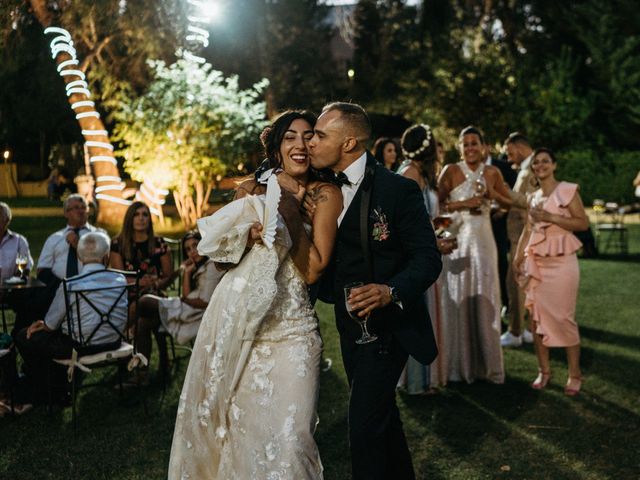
[[573, 386], [541, 380]]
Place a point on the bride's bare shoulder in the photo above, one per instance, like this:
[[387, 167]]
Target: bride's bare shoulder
[[323, 191]]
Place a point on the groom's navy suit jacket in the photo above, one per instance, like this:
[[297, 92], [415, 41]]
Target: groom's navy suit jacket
[[408, 259]]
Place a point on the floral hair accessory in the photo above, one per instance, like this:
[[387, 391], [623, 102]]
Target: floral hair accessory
[[425, 143]]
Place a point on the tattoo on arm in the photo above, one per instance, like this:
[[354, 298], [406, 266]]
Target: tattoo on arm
[[318, 195]]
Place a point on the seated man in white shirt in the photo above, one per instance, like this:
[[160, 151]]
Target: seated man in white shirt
[[12, 245], [58, 259], [50, 338]]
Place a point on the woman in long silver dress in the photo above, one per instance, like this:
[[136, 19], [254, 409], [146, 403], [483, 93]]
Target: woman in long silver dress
[[470, 347], [248, 404]]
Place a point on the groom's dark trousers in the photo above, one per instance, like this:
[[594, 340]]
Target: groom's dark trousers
[[407, 259]]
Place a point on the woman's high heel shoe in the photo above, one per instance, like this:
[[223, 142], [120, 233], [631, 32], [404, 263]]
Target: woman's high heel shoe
[[541, 380], [573, 386]]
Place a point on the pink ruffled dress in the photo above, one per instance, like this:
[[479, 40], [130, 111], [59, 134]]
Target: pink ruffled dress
[[551, 267]]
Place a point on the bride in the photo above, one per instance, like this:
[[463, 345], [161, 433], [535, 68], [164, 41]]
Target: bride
[[248, 404]]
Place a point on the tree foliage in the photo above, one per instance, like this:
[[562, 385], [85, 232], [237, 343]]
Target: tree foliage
[[191, 124]]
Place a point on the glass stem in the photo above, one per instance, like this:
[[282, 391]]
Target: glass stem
[[364, 327]]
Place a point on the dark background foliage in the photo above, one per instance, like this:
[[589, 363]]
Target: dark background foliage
[[565, 73]]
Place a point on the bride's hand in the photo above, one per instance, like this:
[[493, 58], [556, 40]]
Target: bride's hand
[[308, 208], [255, 235]]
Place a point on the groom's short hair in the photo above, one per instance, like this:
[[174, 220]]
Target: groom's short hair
[[354, 116]]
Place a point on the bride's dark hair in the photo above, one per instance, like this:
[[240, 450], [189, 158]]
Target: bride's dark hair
[[272, 135], [271, 138]]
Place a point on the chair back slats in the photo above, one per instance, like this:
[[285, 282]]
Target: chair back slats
[[75, 297]]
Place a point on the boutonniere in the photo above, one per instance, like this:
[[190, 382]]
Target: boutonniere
[[380, 230]]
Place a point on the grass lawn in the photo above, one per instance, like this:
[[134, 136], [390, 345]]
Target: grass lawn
[[477, 431]]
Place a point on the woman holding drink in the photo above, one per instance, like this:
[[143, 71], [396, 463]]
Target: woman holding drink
[[470, 347]]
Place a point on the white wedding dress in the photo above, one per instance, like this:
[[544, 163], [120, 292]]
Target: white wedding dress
[[248, 404]]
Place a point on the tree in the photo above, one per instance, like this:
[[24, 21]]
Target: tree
[[286, 41], [191, 125], [112, 39]]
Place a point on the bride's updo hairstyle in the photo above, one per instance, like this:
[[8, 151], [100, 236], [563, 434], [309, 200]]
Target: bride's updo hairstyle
[[272, 135], [419, 144]]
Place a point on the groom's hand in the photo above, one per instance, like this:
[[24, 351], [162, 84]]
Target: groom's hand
[[288, 205], [369, 297]]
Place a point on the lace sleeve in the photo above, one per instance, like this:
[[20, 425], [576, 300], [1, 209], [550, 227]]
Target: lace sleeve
[[225, 233]]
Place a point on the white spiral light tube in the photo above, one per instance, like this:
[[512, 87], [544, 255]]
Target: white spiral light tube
[[62, 43]]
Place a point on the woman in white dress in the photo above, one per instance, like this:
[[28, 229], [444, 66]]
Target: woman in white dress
[[179, 316], [470, 346], [248, 404]]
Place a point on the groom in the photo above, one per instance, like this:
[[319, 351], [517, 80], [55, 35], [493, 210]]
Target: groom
[[386, 241]]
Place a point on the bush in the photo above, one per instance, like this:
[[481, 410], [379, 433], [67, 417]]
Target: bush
[[608, 176]]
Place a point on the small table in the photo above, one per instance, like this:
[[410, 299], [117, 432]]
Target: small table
[[8, 291]]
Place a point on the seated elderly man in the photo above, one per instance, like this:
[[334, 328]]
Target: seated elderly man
[[49, 338], [58, 259], [12, 246]]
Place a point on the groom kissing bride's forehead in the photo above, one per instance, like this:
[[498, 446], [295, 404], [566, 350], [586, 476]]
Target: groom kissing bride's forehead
[[385, 243]]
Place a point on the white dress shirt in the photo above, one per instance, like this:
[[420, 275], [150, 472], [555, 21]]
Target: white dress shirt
[[55, 250], [12, 244], [522, 173], [103, 299], [355, 174]]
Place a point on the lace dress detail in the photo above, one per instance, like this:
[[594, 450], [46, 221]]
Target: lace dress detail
[[470, 333], [248, 404]]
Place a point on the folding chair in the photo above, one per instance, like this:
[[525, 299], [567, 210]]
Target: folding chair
[[611, 232], [78, 300]]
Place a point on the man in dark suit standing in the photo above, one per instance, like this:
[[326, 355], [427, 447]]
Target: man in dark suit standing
[[499, 225], [386, 241]]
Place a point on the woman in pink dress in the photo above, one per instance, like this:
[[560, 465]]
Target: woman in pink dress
[[547, 263]]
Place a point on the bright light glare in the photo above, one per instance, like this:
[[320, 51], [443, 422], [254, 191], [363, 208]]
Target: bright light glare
[[210, 9], [205, 10]]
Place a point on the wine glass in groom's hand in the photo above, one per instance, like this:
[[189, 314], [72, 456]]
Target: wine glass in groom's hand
[[353, 313]]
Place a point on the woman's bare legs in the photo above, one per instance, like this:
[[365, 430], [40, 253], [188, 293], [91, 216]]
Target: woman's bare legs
[[574, 382], [544, 367]]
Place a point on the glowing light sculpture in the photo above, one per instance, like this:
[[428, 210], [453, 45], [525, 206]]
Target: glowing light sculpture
[[100, 151]]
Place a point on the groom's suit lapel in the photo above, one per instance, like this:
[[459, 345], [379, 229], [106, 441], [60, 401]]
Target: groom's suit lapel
[[361, 204]]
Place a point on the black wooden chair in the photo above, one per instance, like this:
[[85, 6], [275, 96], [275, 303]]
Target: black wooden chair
[[84, 356]]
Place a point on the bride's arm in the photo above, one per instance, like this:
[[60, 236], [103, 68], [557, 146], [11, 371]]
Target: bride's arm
[[311, 253], [248, 187]]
